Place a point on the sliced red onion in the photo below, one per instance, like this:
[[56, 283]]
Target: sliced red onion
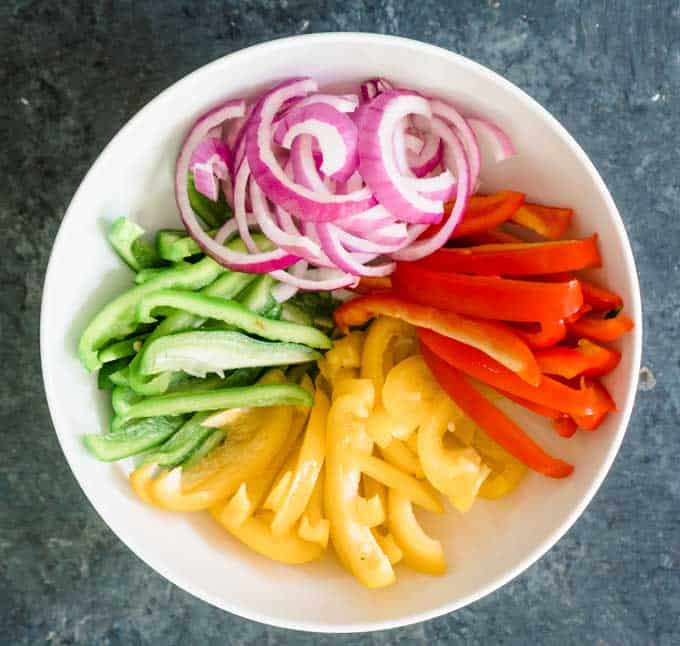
[[450, 115], [369, 90], [334, 132], [429, 156], [421, 248], [304, 167], [226, 257], [267, 172], [340, 102], [332, 246], [364, 245], [413, 143], [209, 162], [392, 234], [298, 245], [503, 147], [376, 157], [364, 223]]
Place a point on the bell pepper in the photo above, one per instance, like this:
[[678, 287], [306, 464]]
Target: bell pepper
[[551, 393], [306, 470], [602, 327], [118, 318], [565, 426], [347, 351], [353, 541], [483, 212], [541, 335], [492, 236], [595, 419], [488, 297], [548, 221], [126, 239], [493, 338], [497, 425], [313, 526], [506, 471], [457, 473], [388, 545], [520, 259], [370, 284], [400, 456], [420, 552], [600, 298], [587, 358]]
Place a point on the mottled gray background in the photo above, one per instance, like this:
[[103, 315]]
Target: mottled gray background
[[72, 73]]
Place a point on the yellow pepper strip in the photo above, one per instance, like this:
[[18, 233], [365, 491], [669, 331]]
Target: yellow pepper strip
[[421, 552], [240, 462], [250, 493], [256, 533], [458, 473], [506, 471], [370, 511], [381, 426], [226, 418], [372, 488], [409, 391], [346, 352], [377, 358], [334, 374], [307, 469], [389, 546], [353, 541], [313, 526], [412, 442], [141, 478], [414, 490], [400, 456]]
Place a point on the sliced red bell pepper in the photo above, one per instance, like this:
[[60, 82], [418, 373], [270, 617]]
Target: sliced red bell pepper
[[370, 284], [593, 421], [600, 327], [483, 212], [497, 425], [585, 401], [548, 221], [519, 259], [600, 298], [492, 236], [488, 296], [565, 426], [541, 335], [587, 359], [489, 337]]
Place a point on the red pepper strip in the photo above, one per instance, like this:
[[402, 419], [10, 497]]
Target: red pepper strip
[[544, 335], [370, 284], [550, 393], [565, 426], [599, 298], [587, 358], [597, 328], [483, 212], [488, 297], [548, 221], [493, 236], [522, 259], [592, 422], [584, 309], [489, 337], [499, 427]]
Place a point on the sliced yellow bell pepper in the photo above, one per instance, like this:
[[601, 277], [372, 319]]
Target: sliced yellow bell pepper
[[458, 473], [420, 552], [256, 533], [313, 526], [372, 488], [346, 352], [506, 471], [398, 454], [141, 478], [353, 541], [389, 546], [307, 468]]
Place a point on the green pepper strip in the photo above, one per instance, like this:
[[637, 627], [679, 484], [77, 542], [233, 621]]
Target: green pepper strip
[[244, 397], [117, 319], [232, 313]]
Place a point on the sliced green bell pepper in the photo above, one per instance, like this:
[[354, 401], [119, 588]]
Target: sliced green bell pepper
[[126, 239]]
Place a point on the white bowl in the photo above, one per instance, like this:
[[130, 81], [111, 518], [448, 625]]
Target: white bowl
[[133, 176]]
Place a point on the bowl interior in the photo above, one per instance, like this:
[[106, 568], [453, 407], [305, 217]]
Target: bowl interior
[[133, 176]]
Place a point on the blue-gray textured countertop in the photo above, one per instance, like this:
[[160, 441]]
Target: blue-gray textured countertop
[[73, 72]]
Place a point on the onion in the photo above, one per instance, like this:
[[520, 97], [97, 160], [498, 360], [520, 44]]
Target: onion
[[342, 188], [297, 200], [503, 147], [376, 157], [420, 249], [334, 132], [209, 162]]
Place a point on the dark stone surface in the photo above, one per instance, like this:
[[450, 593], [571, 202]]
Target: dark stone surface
[[73, 72]]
